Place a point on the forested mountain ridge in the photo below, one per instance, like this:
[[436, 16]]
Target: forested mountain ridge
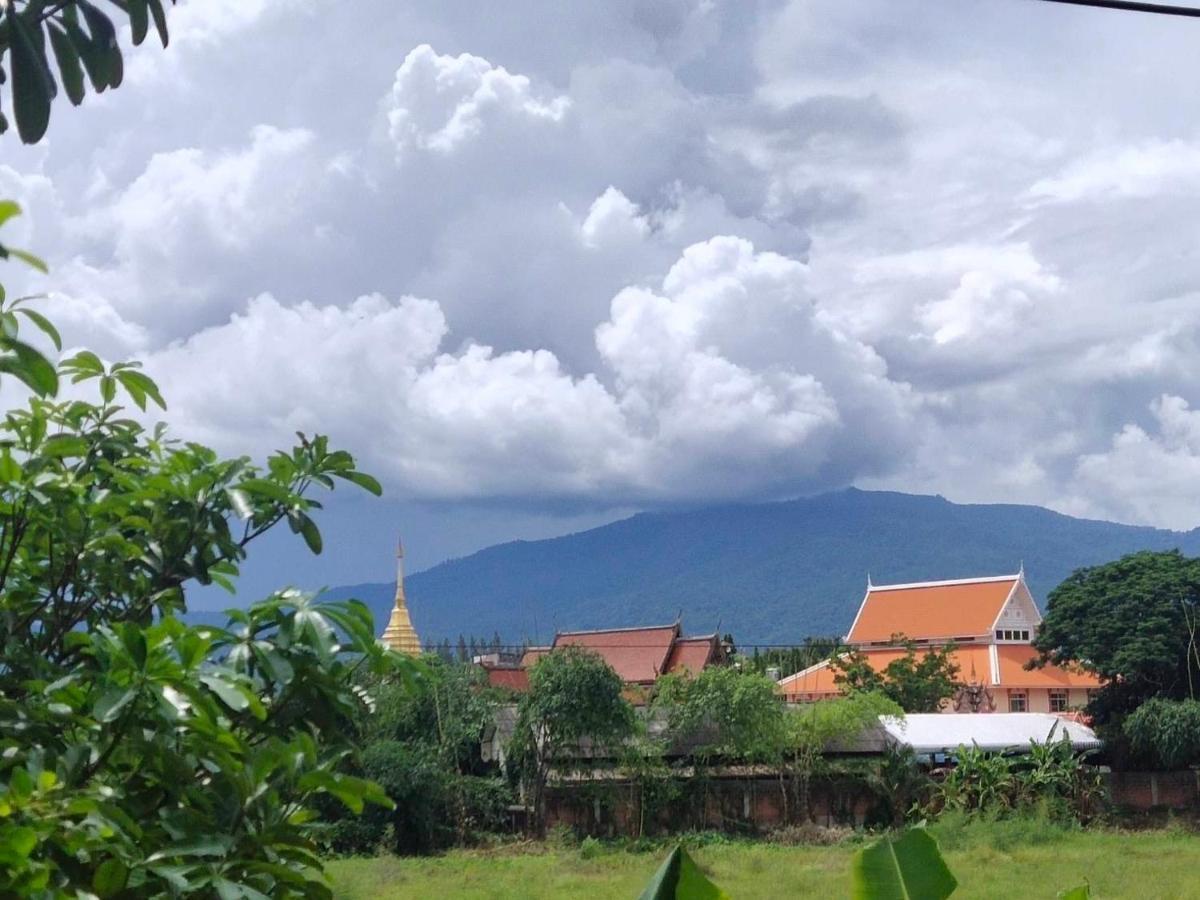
[[768, 573]]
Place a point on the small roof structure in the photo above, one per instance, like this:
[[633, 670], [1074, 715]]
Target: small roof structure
[[929, 733], [944, 610]]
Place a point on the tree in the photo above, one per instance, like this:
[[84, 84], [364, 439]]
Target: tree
[[811, 728], [916, 684], [723, 713], [139, 755], [83, 39], [1132, 622], [574, 695], [421, 743]]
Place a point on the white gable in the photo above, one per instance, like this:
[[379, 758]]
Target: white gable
[[1020, 612]]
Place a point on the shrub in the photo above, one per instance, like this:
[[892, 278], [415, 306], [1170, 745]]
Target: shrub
[[1165, 733]]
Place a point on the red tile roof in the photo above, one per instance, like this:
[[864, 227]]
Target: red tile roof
[[509, 678], [693, 654], [532, 655], [636, 654], [932, 610]]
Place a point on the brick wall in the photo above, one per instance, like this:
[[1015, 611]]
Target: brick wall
[[1148, 790]]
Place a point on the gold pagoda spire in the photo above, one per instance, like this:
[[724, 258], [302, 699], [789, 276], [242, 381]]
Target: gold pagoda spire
[[400, 634]]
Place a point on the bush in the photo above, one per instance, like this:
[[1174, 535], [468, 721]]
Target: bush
[[1165, 733]]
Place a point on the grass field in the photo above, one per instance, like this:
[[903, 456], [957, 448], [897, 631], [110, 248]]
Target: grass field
[[1020, 859]]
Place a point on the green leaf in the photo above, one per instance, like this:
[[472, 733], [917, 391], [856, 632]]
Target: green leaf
[[64, 445], [237, 697], [139, 19], [268, 489], [1083, 892], [139, 382], [203, 846], [8, 210], [10, 469], [160, 21], [20, 839], [240, 503], [906, 868], [69, 68], [85, 363], [231, 890], [28, 258], [42, 323], [31, 367], [32, 85], [679, 878], [102, 47], [308, 528], [363, 480], [110, 878], [110, 704]]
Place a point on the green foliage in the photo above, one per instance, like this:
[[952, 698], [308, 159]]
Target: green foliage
[[900, 783], [1165, 733], [811, 728], [421, 743], [1133, 622], [140, 756], [897, 868], [83, 40], [679, 878], [573, 696], [1052, 777], [917, 684], [724, 713]]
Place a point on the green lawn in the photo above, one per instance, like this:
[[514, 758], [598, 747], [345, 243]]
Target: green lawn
[[1002, 860]]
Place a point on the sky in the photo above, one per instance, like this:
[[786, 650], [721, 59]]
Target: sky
[[539, 265]]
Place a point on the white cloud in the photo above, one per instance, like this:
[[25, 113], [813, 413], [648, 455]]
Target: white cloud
[[889, 259], [438, 103], [1139, 171], [679, 398], [1147, 477]]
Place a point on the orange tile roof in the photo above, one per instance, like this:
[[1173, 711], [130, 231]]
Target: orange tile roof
[[974, 663], [934, 610], [692, 654], [636, 654], [1013, 674]]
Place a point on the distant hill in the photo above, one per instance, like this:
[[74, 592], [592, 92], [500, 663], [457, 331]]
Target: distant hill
[[768, 573]]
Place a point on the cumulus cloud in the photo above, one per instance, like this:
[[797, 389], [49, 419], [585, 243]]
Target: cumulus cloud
[[684, 249], [679, 398], [440, 102], [1151, 477]]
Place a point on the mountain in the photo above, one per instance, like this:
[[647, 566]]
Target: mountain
[[768, 573]]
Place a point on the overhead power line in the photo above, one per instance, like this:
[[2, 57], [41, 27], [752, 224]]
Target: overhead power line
[[1164, 9]]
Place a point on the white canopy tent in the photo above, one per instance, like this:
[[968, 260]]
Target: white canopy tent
[[943, 733]]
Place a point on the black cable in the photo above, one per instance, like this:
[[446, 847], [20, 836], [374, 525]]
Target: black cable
[[1135, 6]]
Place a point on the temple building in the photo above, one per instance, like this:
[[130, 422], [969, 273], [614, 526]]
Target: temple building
[[400, 634], [639, 655], [990, 621]]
